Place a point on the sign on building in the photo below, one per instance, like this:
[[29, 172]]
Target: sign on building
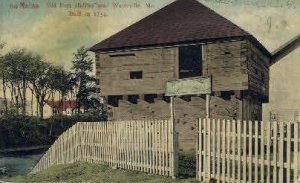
[[188, 86]]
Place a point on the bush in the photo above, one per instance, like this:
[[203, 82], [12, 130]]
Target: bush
[[17, 130], [25, 131]]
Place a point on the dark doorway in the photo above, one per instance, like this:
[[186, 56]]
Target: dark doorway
[[190, 61]]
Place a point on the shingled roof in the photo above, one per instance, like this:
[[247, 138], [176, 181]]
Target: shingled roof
[[179, 22]]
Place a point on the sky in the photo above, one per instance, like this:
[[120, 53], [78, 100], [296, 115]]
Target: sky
[[56, 35]]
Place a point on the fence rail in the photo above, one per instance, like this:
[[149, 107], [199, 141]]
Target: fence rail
[[146, 146], [245, 151]]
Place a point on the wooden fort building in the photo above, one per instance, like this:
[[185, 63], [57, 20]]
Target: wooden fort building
[[184, 39]]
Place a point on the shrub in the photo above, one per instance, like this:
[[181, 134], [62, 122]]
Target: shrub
[[24, 131]]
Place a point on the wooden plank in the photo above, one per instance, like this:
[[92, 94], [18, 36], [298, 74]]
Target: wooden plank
[[126, 130], [233, 127], [170, 139], [140, 148], [159, 148], [137, 145], [153, 148], [269, 130], [262, 151], [244, 124], [205, 166], [256, 163], [165, 147], [288, 152], [147, 145], [275, 152], [143, 135], [281, 155], [213, 143], [239, 155], [156, 147], [200, 132], [208, 144], [197, 150], [223, 150], [228, 143], [250, 149], [132, 152], [218, 133], [296, 152]]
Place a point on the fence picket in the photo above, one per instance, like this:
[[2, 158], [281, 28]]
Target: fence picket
[[213, 155], [219, 149], [296, 162], [123, 144], [237, 152], [244, 124], [288, 152], [228, 139], [281, 155], [262, 152], [223, 150], [233, 127], [205, 170], [208, 143], [275, 153], [200, 133], [239, 132], [256, 165]]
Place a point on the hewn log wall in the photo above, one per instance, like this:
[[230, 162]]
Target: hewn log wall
[[226, 63], [158, 66]]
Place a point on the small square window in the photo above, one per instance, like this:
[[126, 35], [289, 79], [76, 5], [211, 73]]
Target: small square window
[[136, 75]]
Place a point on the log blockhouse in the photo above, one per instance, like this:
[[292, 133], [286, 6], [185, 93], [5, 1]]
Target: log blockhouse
[[184, 39]]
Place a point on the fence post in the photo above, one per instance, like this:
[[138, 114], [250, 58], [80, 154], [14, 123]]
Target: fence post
[[174, 153]]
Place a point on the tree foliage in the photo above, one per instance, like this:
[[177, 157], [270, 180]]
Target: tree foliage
[[82, 80], [22, 72]]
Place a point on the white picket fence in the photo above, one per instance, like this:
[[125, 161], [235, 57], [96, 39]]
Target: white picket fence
[[245, 151], [146, 146]]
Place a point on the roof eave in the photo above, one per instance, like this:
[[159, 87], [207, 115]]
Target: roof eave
[[170, 44]]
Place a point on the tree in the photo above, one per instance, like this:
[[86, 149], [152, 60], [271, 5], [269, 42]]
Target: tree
[[3, 77], [82, 67], [63, 83], [17, 65], [42, 82]]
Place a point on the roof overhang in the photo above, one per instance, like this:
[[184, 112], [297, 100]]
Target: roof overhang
[[185, 43], [285, 49]]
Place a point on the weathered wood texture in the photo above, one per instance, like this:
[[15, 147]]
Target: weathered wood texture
[[258, 71], [226, 63], [146, 146], [233, 65], [186, 114], [252, 109], [248, 151], [158, 66]]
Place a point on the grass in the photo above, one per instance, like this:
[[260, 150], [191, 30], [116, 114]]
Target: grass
[[87, 172]]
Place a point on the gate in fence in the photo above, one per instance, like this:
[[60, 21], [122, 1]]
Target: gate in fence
[[245, 151], [147, 146]]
